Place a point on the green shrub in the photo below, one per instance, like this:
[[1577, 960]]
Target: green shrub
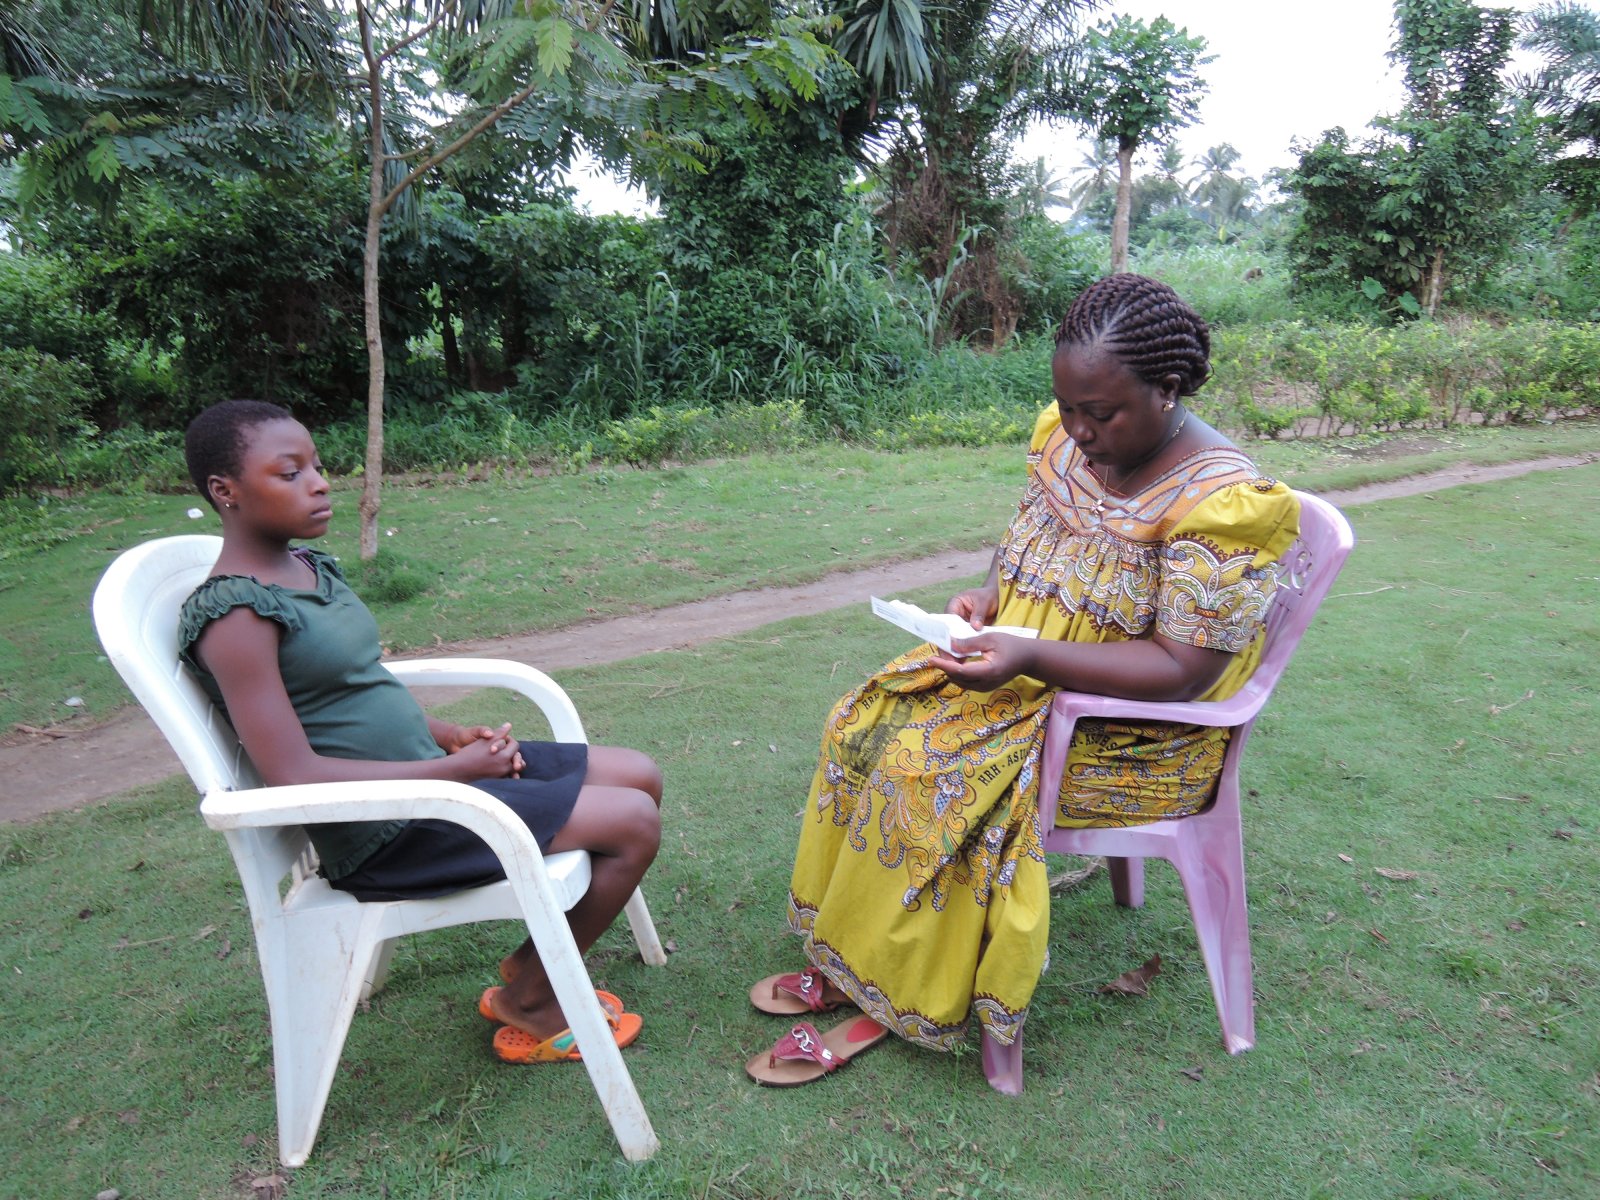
[[42, 405], [652, 437], [984, 426], [47, 304], [127, 459], [389, 578]]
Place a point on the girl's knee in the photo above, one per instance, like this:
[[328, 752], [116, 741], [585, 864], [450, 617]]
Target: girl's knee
[[645, 775], [620, 766], [644, 821]]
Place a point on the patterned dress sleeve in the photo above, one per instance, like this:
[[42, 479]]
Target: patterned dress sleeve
[[217, 597], [1218, 573], [1048, 422]]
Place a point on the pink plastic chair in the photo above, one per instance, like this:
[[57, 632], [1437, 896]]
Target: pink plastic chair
[[1207, 849]]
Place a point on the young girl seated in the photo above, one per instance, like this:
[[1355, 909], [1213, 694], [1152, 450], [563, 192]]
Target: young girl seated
[[291, 657]]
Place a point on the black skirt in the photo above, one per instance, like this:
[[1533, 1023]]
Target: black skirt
[[434, 858]]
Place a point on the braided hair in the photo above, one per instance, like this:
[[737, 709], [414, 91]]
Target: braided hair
[[1145, 324], [215, 441]]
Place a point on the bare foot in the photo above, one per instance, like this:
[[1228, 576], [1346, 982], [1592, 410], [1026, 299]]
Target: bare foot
[[511, 966], [543, 1020]]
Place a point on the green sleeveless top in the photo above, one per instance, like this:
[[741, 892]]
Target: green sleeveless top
[[347, 702]]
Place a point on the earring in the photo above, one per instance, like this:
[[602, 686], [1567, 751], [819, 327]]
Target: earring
[[1168, 406], [229, 504]]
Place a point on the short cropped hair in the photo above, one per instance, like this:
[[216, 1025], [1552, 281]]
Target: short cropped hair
[[1145, 324], [215, 441]]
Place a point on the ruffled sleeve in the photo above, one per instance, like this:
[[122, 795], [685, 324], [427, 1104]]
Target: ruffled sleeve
[[322, 562], [1049, 421], [219, 596], [1218, 576]]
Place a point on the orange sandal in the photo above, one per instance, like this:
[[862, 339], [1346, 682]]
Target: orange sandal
[[513, 1045]]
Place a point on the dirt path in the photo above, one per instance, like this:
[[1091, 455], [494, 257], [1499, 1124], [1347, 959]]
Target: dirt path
[[50, 774]]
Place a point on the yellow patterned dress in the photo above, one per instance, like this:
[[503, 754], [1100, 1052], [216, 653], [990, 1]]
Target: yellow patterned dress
[[919, 886]]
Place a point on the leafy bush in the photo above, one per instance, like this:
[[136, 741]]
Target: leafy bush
[[42, 404], [1049, 267], [390, 578], [127, 459], [652, 437], [46, 305]]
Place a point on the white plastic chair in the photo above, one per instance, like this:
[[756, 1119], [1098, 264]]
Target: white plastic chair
[[1208, 848], [321, 950]]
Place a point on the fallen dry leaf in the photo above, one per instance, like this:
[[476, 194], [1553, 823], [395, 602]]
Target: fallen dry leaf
[[269, 1187], [1193, 1073], [1516, 926], [1391, 873], [1135, 982], [1345, 858], [1379, 936]]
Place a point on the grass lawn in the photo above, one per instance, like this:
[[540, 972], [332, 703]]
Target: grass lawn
[[1429, 1032], [515, 553]]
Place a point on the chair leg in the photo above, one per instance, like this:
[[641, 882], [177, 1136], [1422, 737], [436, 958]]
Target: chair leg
[[644, 930], [552, 939], [312, 984], [1213, 881], [1002, 1065], [378, 972], [1127, 881]]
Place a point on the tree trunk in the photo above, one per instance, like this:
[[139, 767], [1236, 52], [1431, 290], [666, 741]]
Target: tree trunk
[[447, 338], [1119, 223], [1435, 282], [372, 481]]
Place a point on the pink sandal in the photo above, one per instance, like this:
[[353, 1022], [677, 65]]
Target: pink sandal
[[804, 1056], [808, 991]]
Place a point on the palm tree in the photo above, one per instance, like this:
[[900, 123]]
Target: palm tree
[[1094, 176], [1221, 196], [1039, 191], [1159, 191], [1567, 86]]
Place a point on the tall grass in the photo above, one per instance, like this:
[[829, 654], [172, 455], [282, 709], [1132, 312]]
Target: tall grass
[[1233, 286]]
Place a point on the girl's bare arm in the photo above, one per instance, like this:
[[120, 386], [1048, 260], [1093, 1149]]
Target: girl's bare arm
[[240, 649]]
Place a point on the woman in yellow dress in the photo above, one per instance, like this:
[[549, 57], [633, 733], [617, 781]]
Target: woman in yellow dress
[[1142, 552]]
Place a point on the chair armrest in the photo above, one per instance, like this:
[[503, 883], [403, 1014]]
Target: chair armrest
[[1235, 710], [553, 702], [380, 800]]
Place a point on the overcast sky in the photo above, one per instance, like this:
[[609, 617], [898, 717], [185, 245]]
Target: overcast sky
[[1284, 70]]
